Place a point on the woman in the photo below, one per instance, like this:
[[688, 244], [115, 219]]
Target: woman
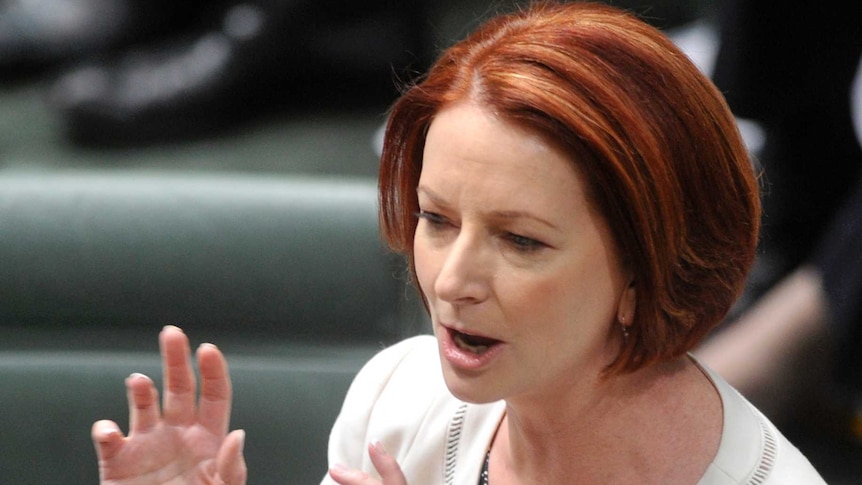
[[578, 211]]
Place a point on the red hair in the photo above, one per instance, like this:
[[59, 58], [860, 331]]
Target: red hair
[[654, 138]]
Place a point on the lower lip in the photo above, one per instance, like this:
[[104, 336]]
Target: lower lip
[[464, 359]]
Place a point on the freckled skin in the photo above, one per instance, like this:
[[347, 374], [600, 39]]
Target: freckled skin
[[508, 247]]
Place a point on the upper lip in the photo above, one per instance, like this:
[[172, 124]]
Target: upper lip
[[461, 329]]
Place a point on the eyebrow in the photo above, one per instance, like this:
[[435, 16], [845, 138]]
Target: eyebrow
[[504, 214], [519, 214]]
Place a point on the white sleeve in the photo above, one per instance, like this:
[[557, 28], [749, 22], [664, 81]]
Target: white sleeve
[[349, 439]]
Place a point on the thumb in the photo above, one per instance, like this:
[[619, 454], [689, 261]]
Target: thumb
[[230, 462], [386, 465], [107, 438]]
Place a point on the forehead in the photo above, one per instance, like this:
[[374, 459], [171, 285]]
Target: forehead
[[468, 146]]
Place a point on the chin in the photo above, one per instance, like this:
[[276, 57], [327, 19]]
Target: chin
[[470, 389]]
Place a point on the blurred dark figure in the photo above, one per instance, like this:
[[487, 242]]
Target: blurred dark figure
[[790, 66], [151, 75], [138, 72], [795, 347], [39, 35]]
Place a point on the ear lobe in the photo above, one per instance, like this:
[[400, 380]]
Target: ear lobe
[[627, 305]]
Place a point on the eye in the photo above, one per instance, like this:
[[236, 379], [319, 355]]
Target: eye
[[433, 219], [523, 243]]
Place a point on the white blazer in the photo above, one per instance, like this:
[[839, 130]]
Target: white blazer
[[399, 398]]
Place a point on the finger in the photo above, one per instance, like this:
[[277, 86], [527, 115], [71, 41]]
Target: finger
[[346, 476], [215, 400], [230, 462], [143, 403], [179, 394], [107, 438], [386, 465]]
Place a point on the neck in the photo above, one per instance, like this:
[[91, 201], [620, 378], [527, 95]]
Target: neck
[[609, 429]]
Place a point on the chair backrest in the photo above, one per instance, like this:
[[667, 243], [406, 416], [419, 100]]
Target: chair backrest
[[265, 258]]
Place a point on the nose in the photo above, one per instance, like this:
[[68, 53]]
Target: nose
[[464, 275]]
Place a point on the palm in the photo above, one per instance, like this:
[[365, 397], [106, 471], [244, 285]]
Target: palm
[[171, 453], [186, 442]]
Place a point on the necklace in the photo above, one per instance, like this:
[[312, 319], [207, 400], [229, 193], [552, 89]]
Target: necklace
[[483, 477]]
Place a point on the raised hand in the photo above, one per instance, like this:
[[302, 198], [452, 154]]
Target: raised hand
[[387, 467], [184, 442]]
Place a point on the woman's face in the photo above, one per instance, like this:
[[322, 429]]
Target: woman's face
[[521, 276]]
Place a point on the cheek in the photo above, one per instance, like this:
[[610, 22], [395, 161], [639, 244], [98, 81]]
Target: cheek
[[547, 300], [566, 303]]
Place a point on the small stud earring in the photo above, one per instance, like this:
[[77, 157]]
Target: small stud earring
[[624, 327]]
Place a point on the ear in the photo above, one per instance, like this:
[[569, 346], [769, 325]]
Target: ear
[[627, 304]]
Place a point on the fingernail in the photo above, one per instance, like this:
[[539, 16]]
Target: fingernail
[[378, 447], [340, 468], [207, 345], [241, 440], [172, 327], [136, 375]]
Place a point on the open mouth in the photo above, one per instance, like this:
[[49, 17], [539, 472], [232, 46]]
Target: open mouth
[[473, 343]]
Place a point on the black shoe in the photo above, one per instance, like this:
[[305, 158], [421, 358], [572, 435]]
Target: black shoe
[[261, 57]]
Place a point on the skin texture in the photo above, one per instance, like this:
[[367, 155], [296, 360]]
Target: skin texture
[[184, 440], [508, 247]]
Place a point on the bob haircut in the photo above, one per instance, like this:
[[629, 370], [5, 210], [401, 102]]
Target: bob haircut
[[654, 138]]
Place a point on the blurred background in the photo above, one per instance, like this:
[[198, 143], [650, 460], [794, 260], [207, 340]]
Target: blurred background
[[269, 86], [202, 104]]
